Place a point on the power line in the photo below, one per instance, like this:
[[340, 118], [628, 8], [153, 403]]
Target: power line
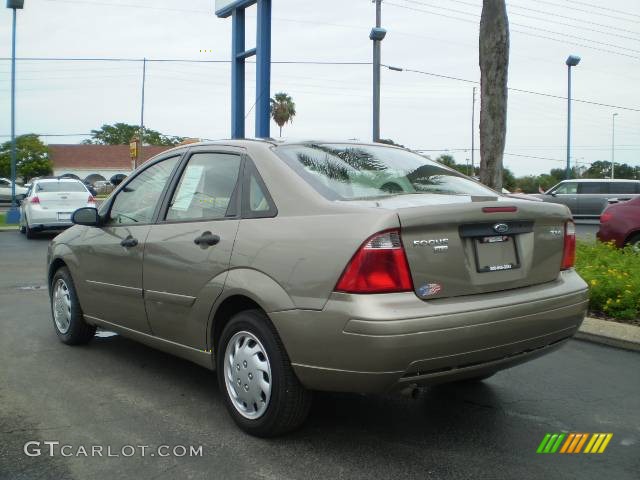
[[591, 12], [521, 31], [548, 20], [603, 8], [316, 62], [475, 82]]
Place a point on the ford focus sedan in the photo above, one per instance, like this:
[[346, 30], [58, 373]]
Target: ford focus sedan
[[290, 267]]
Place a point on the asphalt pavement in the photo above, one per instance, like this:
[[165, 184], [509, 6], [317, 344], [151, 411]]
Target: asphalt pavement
[[114, 392]]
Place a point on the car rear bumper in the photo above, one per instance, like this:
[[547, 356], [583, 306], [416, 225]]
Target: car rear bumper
[[372, 343]]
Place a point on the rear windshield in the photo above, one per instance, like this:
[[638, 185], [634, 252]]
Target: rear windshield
[[60, 187], [356, 172]]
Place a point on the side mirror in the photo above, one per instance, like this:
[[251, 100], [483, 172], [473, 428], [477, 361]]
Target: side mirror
[[86, 216]]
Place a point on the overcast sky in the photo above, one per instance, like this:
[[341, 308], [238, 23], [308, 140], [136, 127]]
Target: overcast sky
[[422, 112]]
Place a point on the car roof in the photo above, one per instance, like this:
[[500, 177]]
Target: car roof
[[51, 180], [590, 180], [272, 142]]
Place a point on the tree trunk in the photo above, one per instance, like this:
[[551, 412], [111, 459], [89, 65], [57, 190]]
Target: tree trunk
[[280, 130], [494, 66]]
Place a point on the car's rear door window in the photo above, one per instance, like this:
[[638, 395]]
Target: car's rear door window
[[207, 188], [593, 188], [623, 187]]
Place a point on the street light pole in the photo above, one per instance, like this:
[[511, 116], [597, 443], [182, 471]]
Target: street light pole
[[377, 35], [572, 61], [613, 143], [13, 215], [473, 133], [141, 134]]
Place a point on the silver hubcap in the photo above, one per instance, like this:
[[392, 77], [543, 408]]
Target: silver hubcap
[[636, 246], [61, 306], [247, 375]]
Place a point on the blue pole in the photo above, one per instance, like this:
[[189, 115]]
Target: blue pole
[[263, 69], [237, 73], [13, 215]]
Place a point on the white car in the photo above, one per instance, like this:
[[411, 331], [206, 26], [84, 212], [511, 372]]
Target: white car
[[50, 202], [5, 190]]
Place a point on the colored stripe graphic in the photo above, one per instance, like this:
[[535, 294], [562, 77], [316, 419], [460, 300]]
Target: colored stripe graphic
[[574, 443]]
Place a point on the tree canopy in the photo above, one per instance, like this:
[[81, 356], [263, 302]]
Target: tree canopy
[[32, 158], [283, 109], [122, 133]]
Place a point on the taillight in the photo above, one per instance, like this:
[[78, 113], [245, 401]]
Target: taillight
[[91, 199], [569, 252], [379, 266], [605, 217], [34, 200]]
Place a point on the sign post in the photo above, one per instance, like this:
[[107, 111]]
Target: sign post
[[262, 51]]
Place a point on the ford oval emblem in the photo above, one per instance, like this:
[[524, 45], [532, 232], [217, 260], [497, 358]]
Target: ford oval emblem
[[501, 228]]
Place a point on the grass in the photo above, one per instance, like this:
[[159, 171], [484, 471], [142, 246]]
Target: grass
[[613, 276], [3, 217]]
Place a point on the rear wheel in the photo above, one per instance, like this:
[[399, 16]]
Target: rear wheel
[[68, 321], [634, 242], [260, 389], [27, 230], [479, 378]]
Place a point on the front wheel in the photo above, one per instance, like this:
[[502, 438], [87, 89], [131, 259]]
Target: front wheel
[[260, 389], [68, 321]]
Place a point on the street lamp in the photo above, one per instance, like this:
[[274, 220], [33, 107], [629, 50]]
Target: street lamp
[[377, 35], [613, 143], [572, 61], [13, 215]]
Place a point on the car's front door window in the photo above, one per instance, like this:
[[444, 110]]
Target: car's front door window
[[137, 201], [567, 189]]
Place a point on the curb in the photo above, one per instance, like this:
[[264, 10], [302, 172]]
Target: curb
[[613, 334]]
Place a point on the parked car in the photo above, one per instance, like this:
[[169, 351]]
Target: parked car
[[50, 202], [103, 187], [588, 197], [620, 223], [5, 190], [287, 273]]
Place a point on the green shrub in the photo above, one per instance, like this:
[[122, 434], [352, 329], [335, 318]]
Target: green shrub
[[613, 276]]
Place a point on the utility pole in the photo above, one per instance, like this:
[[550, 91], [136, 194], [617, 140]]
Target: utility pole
[[613, 143], [141, 134], [377, 35], [473, 133]]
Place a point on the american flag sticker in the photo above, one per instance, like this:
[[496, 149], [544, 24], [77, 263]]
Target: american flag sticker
[[429, 289]]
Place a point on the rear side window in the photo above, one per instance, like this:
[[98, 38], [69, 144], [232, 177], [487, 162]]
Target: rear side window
[[207, 188], [60, 187], [625, 187], [593, 188], [256, 200]]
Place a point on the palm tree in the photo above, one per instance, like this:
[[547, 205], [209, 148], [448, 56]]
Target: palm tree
[[282, 109], [494, 64]]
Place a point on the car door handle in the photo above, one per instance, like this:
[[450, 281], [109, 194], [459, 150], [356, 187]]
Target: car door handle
[[207, 238], [129, 242]]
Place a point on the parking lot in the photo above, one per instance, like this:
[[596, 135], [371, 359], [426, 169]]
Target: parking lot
[[115, 392]]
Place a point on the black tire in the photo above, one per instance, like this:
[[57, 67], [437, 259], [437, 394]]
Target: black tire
[[289, 404], [78, 332], [634, 242], [479, 378], [28, 232]]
